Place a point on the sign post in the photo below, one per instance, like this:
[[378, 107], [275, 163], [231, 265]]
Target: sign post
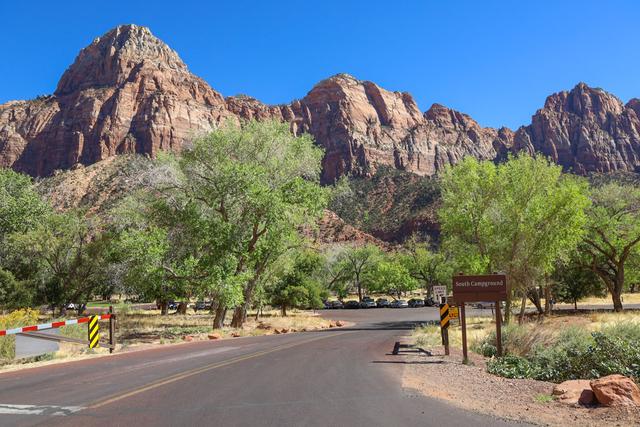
[[439, 292], [490, 287], [444, 326]]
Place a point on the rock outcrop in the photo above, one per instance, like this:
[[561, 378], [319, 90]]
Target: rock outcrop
[[128, 92], [585, 130]]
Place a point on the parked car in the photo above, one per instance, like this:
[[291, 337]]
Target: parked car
[[201, 305], [368, 303], [416, 302], [336, 304], [172, 305], [352, 304], [430, 302], [487, 305], [399, 303], [382, 303]]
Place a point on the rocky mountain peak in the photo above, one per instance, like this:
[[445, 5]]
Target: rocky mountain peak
[[584, 100], [112, 59]]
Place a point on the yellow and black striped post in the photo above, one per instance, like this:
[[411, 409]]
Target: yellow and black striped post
[[94, 332], [444, 326]]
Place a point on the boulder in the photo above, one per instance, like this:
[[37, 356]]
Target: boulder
[[187, 338], [574, 392], [235, 334], [339, 324], [214, 336], [284, 330], [616, 390]]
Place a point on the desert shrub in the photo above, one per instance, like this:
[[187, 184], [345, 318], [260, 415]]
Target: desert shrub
[[511, 367], [576, 354], [517, 340]]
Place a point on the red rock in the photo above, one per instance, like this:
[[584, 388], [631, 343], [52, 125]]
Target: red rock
[[284, 330], [339, 323], [187, 338], [214, 336], [235, 334], [276, 331], [574, 392], [616, 390], [128, 92]]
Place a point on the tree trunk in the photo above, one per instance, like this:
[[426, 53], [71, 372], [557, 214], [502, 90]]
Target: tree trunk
[[164, 308], [359, 290], [218, 321], [618, 286], [239, 316], [617, 300], [575, 304], [534, 296], [182, 308], [523, 307], [284, 310], [547, 300], [507, 310]]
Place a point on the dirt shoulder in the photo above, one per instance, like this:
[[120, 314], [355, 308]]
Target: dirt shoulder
[[472, 388]]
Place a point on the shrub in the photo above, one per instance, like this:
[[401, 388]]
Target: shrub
[[511, 367], [13, 320]]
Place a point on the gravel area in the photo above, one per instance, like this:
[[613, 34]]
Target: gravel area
[[471, 387]]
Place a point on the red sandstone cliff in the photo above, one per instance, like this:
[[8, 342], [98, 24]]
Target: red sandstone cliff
[[128, 92]]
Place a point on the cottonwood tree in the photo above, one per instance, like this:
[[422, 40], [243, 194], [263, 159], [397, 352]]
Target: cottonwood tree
[[356, 261], [390, 276], [518, 217], [66, 253], [428, 266], [251, 188], [613, 235], [300, 285]]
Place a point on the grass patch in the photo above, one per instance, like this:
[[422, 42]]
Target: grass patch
[[543, 398]]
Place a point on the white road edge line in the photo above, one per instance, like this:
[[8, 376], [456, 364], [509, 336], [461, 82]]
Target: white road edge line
[[48, 410]]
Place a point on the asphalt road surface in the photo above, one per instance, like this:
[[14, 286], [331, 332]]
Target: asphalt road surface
[[343, 377]]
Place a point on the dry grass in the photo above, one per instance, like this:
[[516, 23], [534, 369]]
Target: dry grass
[[529, 334], [144, 328]]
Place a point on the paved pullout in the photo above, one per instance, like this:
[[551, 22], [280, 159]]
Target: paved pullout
[[329, 378]]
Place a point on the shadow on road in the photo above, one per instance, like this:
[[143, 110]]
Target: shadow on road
[[382, 326], [410, 362]]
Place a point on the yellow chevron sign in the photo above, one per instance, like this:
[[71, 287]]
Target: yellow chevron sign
[[94, 332], [444, 315]]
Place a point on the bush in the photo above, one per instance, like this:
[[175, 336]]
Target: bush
[[511, 367], [576, 354], [14, 320]]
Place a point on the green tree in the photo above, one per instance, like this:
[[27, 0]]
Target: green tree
[[519, 217], [245, 192], [21, 207], [391, 277], [300, 287], [14, 294], [613, 235], [356, 261], [574, 281], [426, 265], [67, 255]]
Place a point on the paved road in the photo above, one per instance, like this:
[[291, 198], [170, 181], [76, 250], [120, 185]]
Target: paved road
[[331, 378]]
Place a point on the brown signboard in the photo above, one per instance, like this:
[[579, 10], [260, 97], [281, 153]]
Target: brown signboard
[[490, 287]]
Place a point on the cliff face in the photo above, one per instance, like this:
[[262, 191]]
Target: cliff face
[[128, 92], [585, 130]]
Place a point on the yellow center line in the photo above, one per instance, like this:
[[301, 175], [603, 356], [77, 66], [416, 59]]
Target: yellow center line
[[177, 377]]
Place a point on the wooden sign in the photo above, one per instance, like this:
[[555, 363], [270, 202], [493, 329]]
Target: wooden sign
[[489, 287]]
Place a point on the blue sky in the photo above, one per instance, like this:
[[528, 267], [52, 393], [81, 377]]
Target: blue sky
[[496, 61]]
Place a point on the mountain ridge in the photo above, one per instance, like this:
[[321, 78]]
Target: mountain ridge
[[128, 92]]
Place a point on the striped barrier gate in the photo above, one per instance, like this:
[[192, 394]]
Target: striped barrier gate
[[92, 327]]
